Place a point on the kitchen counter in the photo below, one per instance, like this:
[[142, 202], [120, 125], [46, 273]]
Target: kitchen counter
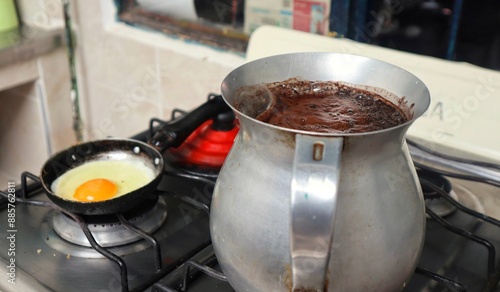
[[19, 50], [28, 42]]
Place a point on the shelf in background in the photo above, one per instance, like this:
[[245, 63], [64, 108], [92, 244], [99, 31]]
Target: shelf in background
[[28, 42]]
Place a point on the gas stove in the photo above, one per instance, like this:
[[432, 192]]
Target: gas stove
[[164, 244]]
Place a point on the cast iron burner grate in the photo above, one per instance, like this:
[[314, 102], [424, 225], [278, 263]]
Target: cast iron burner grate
[[108, 230], [433, 200], [493, 271], [31, 189], [436, 180]]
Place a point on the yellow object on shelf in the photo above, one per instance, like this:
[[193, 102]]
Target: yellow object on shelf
[[8, 15]]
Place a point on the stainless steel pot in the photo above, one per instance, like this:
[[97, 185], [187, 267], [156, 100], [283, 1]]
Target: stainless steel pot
[[304, 211]]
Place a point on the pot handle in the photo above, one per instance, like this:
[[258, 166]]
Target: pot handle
[[174, 133], [316, 174]]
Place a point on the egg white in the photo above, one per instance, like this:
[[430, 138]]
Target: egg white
[[126, 175]]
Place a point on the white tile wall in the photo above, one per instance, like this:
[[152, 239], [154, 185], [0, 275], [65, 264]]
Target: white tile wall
[[55, 86], [42, 13], [17, 74], [118, 112], [22, 135], [130, 75], [35, 112], [185, 81]]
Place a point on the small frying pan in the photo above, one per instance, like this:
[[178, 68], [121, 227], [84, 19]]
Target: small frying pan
[[168, 135], [109, 149]]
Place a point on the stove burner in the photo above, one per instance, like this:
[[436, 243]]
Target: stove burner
[[433, 200], [107, 229], [440, 205], [436, 179]]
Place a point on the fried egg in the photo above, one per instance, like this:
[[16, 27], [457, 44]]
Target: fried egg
[[102, 180]]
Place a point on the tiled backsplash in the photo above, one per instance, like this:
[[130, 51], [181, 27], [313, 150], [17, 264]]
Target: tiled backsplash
[[126, 76], [41, 13], [35, 115], [130, 75], [22, 142]]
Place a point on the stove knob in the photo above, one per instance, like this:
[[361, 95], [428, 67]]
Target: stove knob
[[224, 121]]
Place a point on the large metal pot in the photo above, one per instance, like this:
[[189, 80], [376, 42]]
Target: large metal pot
[[306, 211]]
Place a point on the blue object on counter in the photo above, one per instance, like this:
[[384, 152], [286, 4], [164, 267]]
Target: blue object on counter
[[339, 16], [455, 21]]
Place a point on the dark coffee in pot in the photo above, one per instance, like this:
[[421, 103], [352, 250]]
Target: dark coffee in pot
[[327, 107]]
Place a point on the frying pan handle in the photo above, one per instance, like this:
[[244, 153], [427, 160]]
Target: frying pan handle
[[315, 182], [174, 133]]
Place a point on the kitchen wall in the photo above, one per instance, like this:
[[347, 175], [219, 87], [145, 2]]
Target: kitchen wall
[[35, 111], [129, 75], [126, 76]]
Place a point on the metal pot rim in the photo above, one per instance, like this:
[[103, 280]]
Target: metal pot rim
[[424, 105]]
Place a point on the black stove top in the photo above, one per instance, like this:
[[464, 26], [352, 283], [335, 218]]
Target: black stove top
[[460, 251], [60, 265]]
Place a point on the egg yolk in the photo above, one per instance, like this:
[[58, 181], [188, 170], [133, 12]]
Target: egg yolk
[[95, 190]]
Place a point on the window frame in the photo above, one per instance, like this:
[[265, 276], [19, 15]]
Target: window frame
[[219, 36]]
